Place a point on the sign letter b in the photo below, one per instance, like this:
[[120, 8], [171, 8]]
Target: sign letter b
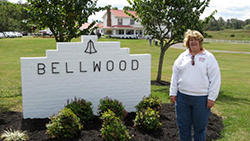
[[41, 68]]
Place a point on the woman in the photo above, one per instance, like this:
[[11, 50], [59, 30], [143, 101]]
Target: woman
[[194, 87]]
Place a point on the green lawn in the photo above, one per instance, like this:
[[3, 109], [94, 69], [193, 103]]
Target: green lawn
[[233, 103], [240, 34], [227, 46]]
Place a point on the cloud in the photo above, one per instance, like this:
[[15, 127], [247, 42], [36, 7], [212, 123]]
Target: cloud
[[115, 3], [228, 9]]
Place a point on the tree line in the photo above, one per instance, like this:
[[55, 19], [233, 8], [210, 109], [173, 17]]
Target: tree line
[[221, 24], [13, 17]]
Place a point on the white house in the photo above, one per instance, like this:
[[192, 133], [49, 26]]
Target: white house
[[116, 23]]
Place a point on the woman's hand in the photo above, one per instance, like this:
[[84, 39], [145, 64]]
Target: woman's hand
[[173, 99], [210, 103]]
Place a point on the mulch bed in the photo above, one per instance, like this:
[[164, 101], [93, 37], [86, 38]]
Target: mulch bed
[[169, 132], [37, 132]]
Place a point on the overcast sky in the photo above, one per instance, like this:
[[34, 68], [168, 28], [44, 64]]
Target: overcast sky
[[227, 9]]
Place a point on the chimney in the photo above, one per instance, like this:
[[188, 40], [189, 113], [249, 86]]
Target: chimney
[[108, 17]]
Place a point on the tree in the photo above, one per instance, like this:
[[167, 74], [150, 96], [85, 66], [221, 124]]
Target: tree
[[247, 21], [228, 24], [212, 24], [10, 16], [63, 17], [128, 8], [114, 8], [247, 27], [167, 20], [221, 23]]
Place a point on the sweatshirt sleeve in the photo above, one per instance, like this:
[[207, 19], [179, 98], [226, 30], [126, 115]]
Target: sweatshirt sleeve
[[214, 78], [174, 80]]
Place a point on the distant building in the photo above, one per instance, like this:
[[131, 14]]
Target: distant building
[[98, 25], [116, 23]]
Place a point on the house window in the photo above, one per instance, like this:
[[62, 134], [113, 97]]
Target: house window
[[119, 21], [132, 22], [121, 32], [130, 32]]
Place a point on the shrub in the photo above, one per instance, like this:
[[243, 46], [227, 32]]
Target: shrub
[[65, 125], [152, 102], [147, 119], [99, 35], [113, 105], [11, 135], [112, 128], [81, 109]]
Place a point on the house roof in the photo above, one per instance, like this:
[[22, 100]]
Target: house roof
[[122, 14], [122, 27], [86, 25]]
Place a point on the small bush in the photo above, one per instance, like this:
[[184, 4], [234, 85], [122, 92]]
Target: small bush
[[112, 128], [232, 35], [99, 35], [81, 109], [152, 102], [65, 125], [147, 119], [11, 135], [113, 105]]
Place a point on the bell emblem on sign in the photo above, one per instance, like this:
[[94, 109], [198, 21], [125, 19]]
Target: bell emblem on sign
[[90, 47]]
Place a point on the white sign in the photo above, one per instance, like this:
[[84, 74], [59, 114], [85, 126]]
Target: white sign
[[89, 70]]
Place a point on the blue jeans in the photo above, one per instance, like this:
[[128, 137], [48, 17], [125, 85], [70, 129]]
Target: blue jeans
[[192, 111]]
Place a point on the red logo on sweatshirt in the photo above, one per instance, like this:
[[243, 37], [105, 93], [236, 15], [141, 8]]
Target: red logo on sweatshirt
[[202, 59]]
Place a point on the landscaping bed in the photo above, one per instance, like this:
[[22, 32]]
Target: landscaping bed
[[37, 131]]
